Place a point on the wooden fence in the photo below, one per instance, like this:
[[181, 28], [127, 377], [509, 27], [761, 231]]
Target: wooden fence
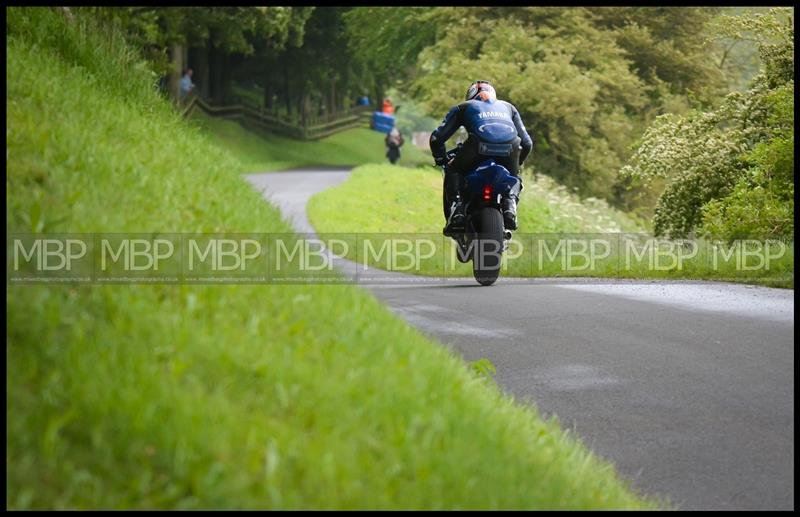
[[258, 119]]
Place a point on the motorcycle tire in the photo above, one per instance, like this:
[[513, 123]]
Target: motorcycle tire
[[488, 223]]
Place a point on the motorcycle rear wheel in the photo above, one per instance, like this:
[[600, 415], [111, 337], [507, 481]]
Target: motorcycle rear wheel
[[486, 259]]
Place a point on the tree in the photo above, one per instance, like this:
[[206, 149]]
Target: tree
[[667, 47], [216, 32], [313, 75], [386, 42], [570, 80], [721, 161], [586, 80]]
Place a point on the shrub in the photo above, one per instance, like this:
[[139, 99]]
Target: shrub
[[708, 156], [762, 203]]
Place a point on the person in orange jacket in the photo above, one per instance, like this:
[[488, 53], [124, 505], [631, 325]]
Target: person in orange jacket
[[387, 107]]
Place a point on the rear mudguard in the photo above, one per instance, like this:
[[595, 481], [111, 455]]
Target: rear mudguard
[[490, 173]]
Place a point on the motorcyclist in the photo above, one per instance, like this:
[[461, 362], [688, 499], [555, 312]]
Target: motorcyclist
[[394, 140], [495, 131]]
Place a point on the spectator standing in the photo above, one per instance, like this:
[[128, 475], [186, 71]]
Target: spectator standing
[[186, 84], [387, 107]]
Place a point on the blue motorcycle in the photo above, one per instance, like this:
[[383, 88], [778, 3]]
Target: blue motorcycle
[[485, 237]]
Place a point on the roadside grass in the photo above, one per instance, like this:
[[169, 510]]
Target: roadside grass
[[380, 198], [263, 152], [248, 396], [381, 203]]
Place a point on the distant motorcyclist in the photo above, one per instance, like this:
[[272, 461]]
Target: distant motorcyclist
[[495, 131], [394, 140]]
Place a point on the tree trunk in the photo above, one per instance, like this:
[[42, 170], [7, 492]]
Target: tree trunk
[[287, 96], [269, 89], [213, 73], [378, 96], [200, 62], [269, 97], [184, 57], [176, 57], [303, 107], [217, 74], [226, 78], [332, 99]]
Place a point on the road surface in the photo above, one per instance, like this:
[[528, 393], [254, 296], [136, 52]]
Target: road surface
[[687, 387]]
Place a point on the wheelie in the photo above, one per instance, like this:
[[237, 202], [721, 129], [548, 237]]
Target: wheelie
[[481, 177]]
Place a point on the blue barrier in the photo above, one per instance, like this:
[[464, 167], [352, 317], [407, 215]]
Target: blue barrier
[[382, 122]]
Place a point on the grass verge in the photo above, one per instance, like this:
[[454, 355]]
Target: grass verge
[[380, 198], [382, 203], [146, 396]]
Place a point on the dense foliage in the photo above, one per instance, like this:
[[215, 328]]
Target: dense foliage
[[586, 81], [600, 88], [211, 40], [729, 170]]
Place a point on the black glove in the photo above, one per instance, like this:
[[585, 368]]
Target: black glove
[[440, 160]]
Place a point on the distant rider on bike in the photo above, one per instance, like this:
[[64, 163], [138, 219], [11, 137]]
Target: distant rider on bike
[[495, 132]]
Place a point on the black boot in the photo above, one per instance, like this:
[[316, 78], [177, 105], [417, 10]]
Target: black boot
[[455, 223], [510, 213]]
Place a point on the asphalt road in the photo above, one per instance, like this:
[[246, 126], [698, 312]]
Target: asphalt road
[[687, 387]]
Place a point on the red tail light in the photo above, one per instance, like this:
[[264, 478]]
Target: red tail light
[[487, 193]]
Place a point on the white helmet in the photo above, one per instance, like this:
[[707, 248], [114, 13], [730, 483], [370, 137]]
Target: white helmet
[[481, 89]]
